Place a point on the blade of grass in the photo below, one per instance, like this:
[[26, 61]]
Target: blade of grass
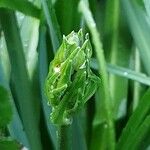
[[135, 121], [124, 72], [23, 6], [104, 76], [137, 138], [4, 58], [51, 19], [72, 20], [43, 70], [21, 85], [115, 48], [30, 41], [140, 30], [15, 127]]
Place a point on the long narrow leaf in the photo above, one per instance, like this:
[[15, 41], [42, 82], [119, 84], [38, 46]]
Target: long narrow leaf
[[23, 6], [42, 73], [117, 53], [72, 20], [135, 121], [52, 24], [20, 79], [124, 72], [15, 127], [140, 30], [137, 139]]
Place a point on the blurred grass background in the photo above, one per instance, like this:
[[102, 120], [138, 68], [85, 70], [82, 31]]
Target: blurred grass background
[[118, 116]]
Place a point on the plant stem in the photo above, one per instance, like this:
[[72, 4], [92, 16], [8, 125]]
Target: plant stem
[[103, 71], [51, 19], [64, 137]]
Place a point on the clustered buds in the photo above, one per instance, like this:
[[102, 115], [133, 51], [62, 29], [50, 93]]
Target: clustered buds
[[70, 81]]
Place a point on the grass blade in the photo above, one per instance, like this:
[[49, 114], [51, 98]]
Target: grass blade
[[138, 138], [115, 49], [15, 127], [52, 24], [5, 107], [43, 70], [23, 6], [134, 122], [20, 76], [30, 41], [72, 20], [140, 30], [124, 72]]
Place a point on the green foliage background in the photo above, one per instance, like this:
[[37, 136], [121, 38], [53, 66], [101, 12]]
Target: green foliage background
[[118, 116]]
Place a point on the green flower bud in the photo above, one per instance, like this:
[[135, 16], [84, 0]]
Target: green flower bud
[[70, 81]]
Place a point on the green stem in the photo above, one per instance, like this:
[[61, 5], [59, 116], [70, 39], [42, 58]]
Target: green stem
[[51, 19], [136, 90], [112, 17], [103, 71], [64, 136]]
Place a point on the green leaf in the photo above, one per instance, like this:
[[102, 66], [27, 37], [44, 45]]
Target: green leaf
[[135, 121], [20, 80], [15, 127], [140, 135], [117, 53], [124, 72], [43, 70], [30, 41], [53, 26], [72, 20], [8, 144], [140, 30], [23, 6], [5, 107]]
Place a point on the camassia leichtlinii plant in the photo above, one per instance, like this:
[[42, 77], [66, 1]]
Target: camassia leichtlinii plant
[[70, 82]]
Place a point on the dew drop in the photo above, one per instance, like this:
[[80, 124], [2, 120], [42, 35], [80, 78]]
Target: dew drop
[[125, 73], [24, 148]]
